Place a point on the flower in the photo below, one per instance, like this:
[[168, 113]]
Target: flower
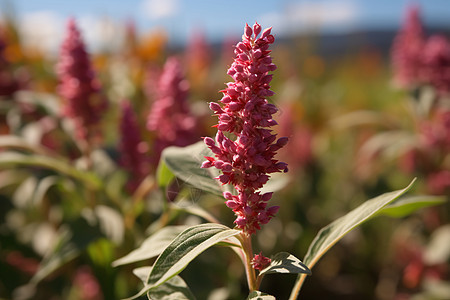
[[246, 161], [407, 50], [132, 148], [87, 285], [170, 118], [436, 63], [79, 87], [260, 262], [434, 138], [435, 133]]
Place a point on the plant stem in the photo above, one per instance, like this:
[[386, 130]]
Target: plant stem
[[248, 251], [145, 187], [298, 285], [258, 280], [87, 153]]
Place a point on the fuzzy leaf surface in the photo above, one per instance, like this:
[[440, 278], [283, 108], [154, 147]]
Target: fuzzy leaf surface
[[73, 240], [152, 246], [183, 249], [335, 231], [164, 175], [407, 205], [332, 233], [13, 159], [185, 163], [174, 289]]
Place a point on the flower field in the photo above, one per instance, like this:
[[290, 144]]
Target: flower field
[[208, 171]]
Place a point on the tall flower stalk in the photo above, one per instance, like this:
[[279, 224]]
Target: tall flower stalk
[[83, 101], [170, 118], [407, 50], [80, 89], [132, 147], [247, 159]]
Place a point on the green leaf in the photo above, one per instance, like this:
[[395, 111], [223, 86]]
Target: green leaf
[[257, 295], [277, 181], [197, 211], [174, 289], [390, 144], [74, 238], [23, 195], [15, 142], [332, 233], [12, 177], [49, 102], [407, 205], [183, 249], [42, 188], [152, 246], [142, 273], [13, 159], [438, 249], [284, 262], [185, 163], [164, 175], [110, 222]]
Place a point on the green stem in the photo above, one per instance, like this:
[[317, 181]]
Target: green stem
[[87, 154], [258, 280], [298, 285], [145, 187], [248, 251]]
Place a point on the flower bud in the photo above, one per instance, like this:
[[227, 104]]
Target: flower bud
[[206, 164], [215, 107], [256, 29], [248, 31]]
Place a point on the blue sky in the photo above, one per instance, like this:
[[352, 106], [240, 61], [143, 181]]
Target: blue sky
[[221, 18]]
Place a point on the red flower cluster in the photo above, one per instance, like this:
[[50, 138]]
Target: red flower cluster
[[132, 148], [79, 87], [170, 117], [260, 262], [246, 161], [431, 154], [408, 48], [436, 63], [417, 60], [435, 140]]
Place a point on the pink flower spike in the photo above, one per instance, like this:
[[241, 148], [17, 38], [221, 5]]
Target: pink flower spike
[[247, 159], [407, 50], [436, 63], [170, 119], [132, 153], [80, 89]]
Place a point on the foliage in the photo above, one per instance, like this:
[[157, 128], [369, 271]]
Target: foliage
[[69, 219]]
